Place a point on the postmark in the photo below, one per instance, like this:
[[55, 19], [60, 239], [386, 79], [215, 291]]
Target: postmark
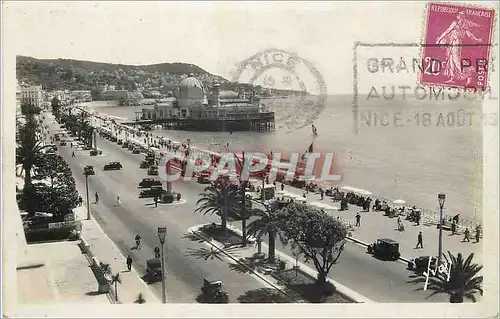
[[457, 42], [282, 70]]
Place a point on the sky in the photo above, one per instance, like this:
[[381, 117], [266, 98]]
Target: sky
[[216, 36]]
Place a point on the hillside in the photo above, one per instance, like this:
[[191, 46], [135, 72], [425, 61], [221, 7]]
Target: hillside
[[76, 75], [67, 74]]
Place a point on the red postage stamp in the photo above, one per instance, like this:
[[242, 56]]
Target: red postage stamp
[[457, 43]]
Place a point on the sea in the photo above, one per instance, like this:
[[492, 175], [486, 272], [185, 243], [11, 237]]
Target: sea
[[399, 148]]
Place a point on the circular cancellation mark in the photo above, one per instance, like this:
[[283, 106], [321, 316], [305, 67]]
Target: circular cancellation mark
[[280, 70]]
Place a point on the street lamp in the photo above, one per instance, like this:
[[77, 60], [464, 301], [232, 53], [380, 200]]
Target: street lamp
[[87, 171], [441, 199], [162, 234]]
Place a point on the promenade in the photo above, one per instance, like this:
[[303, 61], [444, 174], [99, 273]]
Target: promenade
[[380, 281], [375, 225]]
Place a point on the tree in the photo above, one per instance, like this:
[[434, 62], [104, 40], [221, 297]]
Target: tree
[[266, 224], [463, 282], [56, 107], [222, 200], [29, 147], [59, 195], [115, 279], [313, 235]]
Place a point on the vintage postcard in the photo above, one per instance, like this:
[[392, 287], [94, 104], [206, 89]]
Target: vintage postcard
[[249, 159]]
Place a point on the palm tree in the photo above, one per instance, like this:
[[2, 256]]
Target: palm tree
[[222, 200], [463, 280], [264, 225], [29, 148]]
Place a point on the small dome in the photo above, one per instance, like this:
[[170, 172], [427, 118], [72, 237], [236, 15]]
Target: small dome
[[190, 82], [228, 95]]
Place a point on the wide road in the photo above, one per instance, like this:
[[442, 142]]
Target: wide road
[[185, 270], [381, 281]]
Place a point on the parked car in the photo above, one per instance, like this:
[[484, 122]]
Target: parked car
[[421, 263], [148, 182], [125, 145], [120, 142], [63, 143], [152, 192], [144, 164], [130, 147], [113, 166], [153, 170], [114, 139], [136, 151], [385, 248]]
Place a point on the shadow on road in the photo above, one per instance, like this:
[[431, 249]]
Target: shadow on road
[[193, 237], [263, 295]]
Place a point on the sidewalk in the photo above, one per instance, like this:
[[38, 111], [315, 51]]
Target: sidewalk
[[106, 251], [375, 225]]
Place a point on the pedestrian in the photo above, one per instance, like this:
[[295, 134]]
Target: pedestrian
[[129, 263], [118, 202], [453, 227], [466, 235], [157, 252], [420, 241], [321, 193], [73, 154], [80, 200], [156, 200], [282, 186], [478, 233], [358, 219], [96, 197]]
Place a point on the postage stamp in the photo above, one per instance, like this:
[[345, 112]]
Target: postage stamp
[[279, 69], [457, 40]]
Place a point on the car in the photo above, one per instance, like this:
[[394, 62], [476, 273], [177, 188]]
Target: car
[[152, 192], [125, 145], [144, 164], [120, 142], [385, 248], [113, 166], [89, 170], [421, 263], [130, 147], [114, 139], [148, 182], [63, 143], [136, 151], [153, 170]]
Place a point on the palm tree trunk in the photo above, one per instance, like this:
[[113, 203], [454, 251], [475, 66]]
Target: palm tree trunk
[[272, 246], [244, 230]]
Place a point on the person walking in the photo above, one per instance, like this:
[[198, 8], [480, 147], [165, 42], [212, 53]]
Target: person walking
[[129, 263], [156, 200], [466, 235], [96, 197], [73, 154], [358, 219], [478, 233], [118, 201], [321, 193], [137, 242], [80, 201], [453, 227], [157, 252], [420, 241]]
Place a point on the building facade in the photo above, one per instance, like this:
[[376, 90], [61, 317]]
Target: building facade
[[32, 95]]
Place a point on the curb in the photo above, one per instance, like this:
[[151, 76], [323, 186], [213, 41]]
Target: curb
[[357, 241], [210, 241]]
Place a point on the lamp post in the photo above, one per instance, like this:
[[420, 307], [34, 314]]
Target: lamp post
[[162, 234], [441, 199], [87, 172]]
